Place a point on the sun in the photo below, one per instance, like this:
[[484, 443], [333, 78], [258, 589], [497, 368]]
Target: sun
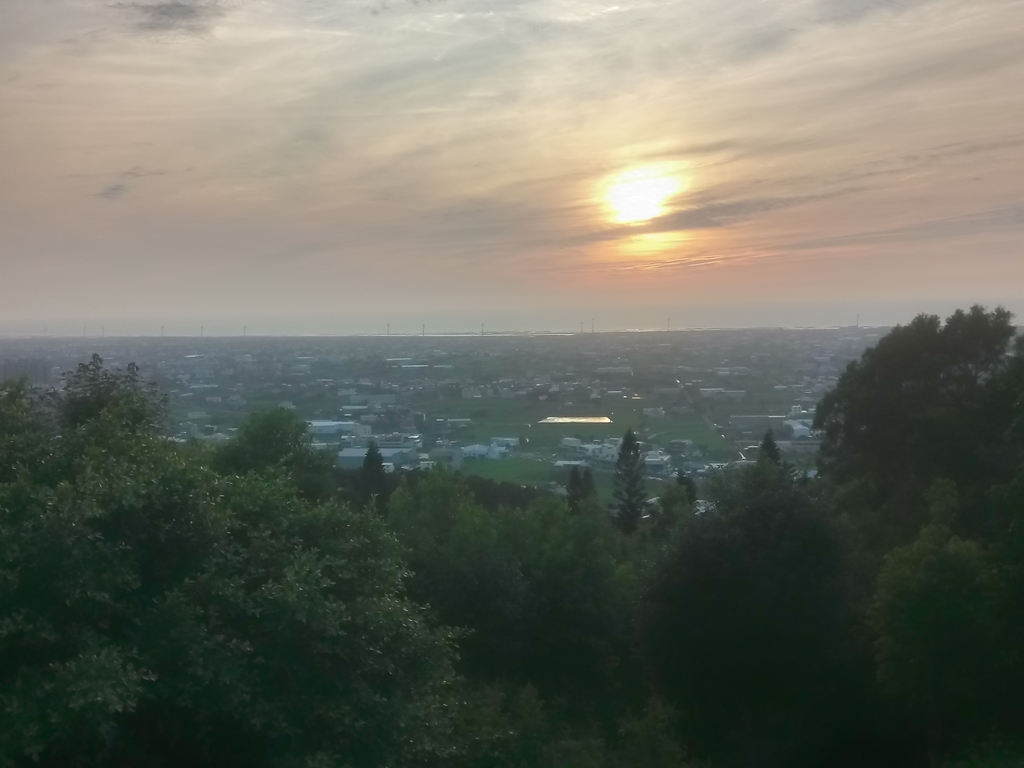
[[640, 194]]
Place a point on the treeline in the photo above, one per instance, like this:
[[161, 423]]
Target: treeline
[[174, 604]]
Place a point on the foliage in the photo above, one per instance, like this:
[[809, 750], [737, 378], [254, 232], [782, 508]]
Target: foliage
[[930, 401], [544, 596], [744, 626], [373, 478], [933, 615], [278, 439], [629, 484], [155, 613], [686, 482], [581, 488], [770, 449]]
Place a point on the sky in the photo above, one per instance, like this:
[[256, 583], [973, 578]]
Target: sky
[[341, 166]]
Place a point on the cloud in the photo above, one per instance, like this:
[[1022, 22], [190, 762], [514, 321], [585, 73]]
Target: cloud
[[850, 11], [139, 172], [189, 16], [113, 192]]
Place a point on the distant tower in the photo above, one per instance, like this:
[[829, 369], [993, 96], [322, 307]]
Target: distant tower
[[423, 331], [389, 329], [243, 331], [481, 329], [591, 325]]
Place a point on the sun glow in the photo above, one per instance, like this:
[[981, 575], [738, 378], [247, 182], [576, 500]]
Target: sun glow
[[640, 194]]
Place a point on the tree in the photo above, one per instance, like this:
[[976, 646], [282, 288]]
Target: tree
[[575, 491], [545, 597], [580, 488], [629, 492], [685, 481], [769, 448], [929, 401], [589, 486], [156, 613], [744, 626], [278, 438], [373, 478], [935, 615]]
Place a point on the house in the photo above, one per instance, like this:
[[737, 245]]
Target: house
[[450, 456], [478, 451], [800, 429], [606, 451], [323, 428], [353, 458], [658, 463]]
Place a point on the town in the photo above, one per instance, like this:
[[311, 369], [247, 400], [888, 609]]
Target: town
[[516, 408]]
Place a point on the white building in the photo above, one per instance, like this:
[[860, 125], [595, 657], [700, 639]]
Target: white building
[[337, 428], [658, 462], [800, 428]]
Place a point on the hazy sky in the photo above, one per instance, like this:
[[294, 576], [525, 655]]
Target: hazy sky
[[334, 165]]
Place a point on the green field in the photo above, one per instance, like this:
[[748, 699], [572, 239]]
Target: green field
[[497, 417], [539, 473]]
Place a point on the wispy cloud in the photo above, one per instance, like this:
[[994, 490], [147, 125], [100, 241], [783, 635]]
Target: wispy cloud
[[455, 150], [139, 172], [112, 192], [189, 16]]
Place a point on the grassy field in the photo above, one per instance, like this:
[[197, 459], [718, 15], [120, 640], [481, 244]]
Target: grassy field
[[497, 417], [539, 473]]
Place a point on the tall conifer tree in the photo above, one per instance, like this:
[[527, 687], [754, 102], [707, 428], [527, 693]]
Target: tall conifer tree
[[629, 483]]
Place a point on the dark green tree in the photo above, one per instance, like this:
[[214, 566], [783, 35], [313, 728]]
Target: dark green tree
[[589, 486], [939, 649], [575, 491], [931, 400], [769, 448], [156, 613], [629, 491], [745, 625], [278, 438], [685, 481], [373, 478], [546, 597]]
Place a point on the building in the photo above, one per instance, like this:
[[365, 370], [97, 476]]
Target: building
[[372, 400], [322, 428], [508, 442], [477, 451], [450, 456], [798, 429], [353, 458], [657, 463]]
